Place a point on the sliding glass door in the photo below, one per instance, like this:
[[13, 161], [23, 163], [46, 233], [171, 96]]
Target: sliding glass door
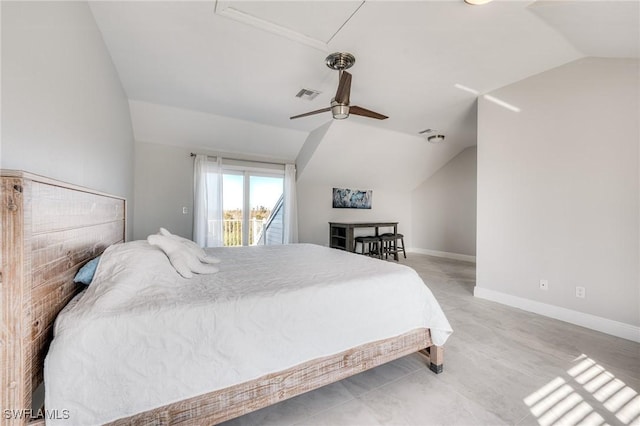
[[252, 208]]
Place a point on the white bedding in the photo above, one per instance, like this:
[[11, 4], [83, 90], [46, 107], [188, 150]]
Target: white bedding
[[141, 336]]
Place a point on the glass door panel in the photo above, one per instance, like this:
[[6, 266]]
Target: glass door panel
[[233, 208], [266, 212]]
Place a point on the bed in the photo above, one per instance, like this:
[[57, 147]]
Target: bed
[[37, 284]]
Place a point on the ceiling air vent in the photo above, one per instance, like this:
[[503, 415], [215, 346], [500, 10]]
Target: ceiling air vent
[[307, 94]]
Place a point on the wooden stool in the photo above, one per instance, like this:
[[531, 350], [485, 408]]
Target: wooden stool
[[374, 243], [390, 245]]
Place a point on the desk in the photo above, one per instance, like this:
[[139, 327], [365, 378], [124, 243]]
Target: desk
[[341, 233]]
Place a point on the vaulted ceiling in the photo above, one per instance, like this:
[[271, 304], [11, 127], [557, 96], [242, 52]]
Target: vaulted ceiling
[[422, 63]]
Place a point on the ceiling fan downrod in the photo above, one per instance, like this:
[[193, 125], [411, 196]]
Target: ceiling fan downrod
[[340, 61]]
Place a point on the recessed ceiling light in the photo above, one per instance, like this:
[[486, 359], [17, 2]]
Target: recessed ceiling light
[[436, 139], [477, 2]]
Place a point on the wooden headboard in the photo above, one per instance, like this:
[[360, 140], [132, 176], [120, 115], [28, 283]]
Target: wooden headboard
[[49, 230]]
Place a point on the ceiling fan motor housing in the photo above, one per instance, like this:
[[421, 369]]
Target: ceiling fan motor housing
[[339, 111]]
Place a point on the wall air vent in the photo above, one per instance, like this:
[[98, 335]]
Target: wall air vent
[[435, 138], [432, 135], [307, 94]]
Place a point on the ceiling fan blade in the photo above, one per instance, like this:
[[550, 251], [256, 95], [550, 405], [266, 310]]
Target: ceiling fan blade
[[366, 113], [311, 113], [344, 89]]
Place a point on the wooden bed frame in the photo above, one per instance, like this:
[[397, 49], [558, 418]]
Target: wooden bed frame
[[49, 229]]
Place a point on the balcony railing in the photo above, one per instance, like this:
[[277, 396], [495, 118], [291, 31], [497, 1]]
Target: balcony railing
[[232, 231]]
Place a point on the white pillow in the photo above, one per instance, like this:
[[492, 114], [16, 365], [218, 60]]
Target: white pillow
[[193, 247], [183, 260]]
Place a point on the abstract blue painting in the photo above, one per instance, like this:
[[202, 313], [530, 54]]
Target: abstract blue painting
[[351, 198]]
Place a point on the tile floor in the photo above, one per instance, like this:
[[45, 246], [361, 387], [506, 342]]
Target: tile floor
[[502, 366]]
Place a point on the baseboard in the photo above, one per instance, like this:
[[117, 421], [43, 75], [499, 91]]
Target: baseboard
[[604, 325], [446, 254]]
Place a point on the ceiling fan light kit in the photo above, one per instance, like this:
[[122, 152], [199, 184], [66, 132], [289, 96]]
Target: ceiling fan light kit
[[340, 112], [340, 106]]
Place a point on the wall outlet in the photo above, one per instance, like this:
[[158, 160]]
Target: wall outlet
[[581, 292], [544, 285]]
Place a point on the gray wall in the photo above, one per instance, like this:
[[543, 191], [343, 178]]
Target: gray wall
[[444, 207], [64, 111], [163, 186], [558, 190]]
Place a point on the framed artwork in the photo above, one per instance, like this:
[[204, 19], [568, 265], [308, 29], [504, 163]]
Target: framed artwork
[[351, 198]]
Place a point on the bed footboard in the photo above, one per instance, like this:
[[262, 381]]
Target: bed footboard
[[226, 404]]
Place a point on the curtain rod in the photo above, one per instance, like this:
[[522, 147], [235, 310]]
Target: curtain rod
[[238, 159]]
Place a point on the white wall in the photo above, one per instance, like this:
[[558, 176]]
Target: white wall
[[314, 139], [64, 112], [198, 130], [352, 152], [315, 211], [558, 190], [165, 136], [444, 208], [163, 186], [348, 154]]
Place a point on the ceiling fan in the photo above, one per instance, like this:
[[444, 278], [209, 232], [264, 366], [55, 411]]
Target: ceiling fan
[[340, 107]]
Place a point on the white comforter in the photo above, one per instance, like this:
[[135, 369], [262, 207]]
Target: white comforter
[[141, 336]]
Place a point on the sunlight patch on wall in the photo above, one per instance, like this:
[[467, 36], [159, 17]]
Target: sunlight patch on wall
[[502, 103], [466, 89], [490, 98]]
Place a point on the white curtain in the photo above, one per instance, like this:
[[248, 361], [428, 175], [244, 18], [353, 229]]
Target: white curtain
[[207, 202], [290, 205]]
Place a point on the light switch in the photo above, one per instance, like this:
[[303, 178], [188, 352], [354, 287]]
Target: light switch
[[185, 210]]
